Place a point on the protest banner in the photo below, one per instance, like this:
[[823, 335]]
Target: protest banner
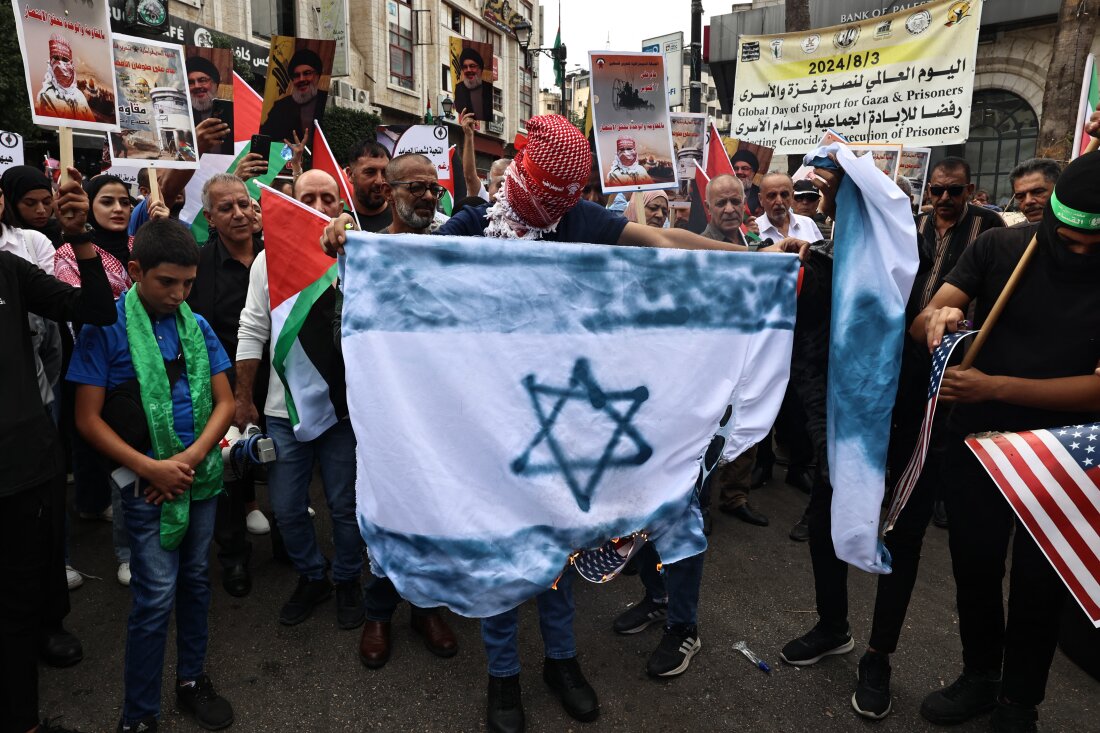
[[67, 62], [630, 114], [210, 81], [672, 46], [517, 404], [11, 150], [154, 106], [904, 78], [299, 72], [689, 133], [914, 168], [472, 77], [333, 15], [431, 141]]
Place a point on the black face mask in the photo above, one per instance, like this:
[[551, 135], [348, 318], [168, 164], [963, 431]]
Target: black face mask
[[1067, 265]]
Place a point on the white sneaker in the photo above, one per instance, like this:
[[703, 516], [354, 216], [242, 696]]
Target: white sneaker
[[74, 578], [124, 573], [257, 523], [107, 515], [311, 512]]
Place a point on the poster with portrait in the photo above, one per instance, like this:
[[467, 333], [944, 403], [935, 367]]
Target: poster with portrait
[[914, 168], [887, 157], [210, 84], [66, 49], [689, 132], [472, 77], [154, 107], [631, 120], [299, 74]]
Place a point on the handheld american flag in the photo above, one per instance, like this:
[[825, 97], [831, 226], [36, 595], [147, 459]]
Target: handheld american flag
[[1051, 479], [908, 480]]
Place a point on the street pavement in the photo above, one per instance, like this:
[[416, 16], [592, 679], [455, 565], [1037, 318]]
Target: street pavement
[[757, 587]]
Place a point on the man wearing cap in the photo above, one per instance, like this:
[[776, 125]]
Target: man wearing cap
[[1035, 371], [203, 79], [627, 171], [745, 167], [294, 113], [473, 95], [806, 200], [59, 95]]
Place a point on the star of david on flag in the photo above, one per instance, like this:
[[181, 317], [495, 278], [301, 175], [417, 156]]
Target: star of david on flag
[[525, 409], [1051, 479]]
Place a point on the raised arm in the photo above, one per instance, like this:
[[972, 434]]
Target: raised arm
[[469, 159]]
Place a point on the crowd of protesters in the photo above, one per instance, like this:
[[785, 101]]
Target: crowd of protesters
[[132, 352]]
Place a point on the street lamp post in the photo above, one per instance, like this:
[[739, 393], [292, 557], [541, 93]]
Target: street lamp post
[[522, 30]]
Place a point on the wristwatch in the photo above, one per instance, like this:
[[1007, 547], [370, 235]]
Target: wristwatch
[[84, 236]]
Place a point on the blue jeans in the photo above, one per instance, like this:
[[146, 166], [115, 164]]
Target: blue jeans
[[288, 480], [680, 584], [160, 579], [500, 633], [118, 524]]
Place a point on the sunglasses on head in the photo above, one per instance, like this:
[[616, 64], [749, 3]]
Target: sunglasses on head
[[952, 191]]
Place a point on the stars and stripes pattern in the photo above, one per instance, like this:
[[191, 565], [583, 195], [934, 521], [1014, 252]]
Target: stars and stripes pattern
[[604, 563], [1051, 478], [908, 480]]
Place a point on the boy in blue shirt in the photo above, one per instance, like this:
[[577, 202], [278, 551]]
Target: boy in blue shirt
[[168, 474]]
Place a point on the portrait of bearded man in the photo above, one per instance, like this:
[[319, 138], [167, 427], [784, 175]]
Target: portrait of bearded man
[[473, 94]]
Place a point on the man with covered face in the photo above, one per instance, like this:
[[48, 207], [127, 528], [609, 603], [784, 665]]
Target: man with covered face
[[59, 95], [472, 94], [627, 171], [294, 113]]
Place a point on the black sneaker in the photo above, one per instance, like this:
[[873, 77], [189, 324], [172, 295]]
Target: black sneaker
[[801, 531], [872, 696], [504, 713], [145, 725], [350, 612], [564, 677], [673, 654], [818, 643], [1009, 718], [639, 616], [52, 726], [210, 710], [307, 595], [966, 697]]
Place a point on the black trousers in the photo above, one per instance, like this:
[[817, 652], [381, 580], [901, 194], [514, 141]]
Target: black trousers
[[229, 523], [895, 589], [981, 526], [32, 568], [790, 432]]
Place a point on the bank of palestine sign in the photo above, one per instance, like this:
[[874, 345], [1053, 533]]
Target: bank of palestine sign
[[902, 78]]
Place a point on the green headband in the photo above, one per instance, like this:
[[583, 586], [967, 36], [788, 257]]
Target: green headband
[[1073, 217]]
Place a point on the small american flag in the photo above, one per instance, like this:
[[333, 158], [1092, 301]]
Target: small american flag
[[1051, 479], [908, 480], [601, 564]]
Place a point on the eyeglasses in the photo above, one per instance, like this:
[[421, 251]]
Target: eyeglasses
[[419, 188], [952, 191], [304, 74], [200, 80]]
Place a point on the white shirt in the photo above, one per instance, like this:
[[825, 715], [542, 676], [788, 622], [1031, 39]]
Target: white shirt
[[32, 246], [800, 227], [255, 331]]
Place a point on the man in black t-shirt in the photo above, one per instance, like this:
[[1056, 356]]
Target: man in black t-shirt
[[366, 167], [1035, 371]]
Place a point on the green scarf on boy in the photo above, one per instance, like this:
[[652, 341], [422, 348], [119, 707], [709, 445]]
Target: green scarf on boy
[[156, 399]]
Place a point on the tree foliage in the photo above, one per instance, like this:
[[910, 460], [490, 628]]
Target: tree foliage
[[345, 127]]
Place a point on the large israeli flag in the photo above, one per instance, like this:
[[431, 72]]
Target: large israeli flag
[[517, 402]]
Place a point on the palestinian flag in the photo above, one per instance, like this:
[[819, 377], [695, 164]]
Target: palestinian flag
[[301, 281], [247, 105], [1090, 100], [324, 160], [455, 185], [697, 215]]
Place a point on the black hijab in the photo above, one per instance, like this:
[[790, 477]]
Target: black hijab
[[16, 183], [117, 244]]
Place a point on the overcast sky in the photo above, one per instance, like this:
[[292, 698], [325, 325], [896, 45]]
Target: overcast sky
[[588, 24]]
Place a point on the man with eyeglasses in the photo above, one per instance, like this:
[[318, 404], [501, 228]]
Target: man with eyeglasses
[[806, 200], [1032, 183], [745, 165], [294, 113], [203, 79]]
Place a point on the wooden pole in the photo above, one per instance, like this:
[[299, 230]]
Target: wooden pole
[[154, 184], [1002, 301], [1010, 286], [65, 154]]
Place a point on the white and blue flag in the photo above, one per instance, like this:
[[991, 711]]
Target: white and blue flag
[[874, 265], [516, 403]]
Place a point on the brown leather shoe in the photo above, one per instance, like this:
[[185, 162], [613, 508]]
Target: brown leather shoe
[[374, 644], [438, 636]]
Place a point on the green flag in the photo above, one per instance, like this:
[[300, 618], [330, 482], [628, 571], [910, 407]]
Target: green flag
[[559, 67]]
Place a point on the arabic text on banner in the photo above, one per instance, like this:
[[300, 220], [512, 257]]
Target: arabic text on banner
[[902, 78]]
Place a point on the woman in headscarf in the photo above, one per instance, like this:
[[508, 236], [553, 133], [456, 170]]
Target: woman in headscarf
[[28, 196], [109, 217], [652, 204]]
